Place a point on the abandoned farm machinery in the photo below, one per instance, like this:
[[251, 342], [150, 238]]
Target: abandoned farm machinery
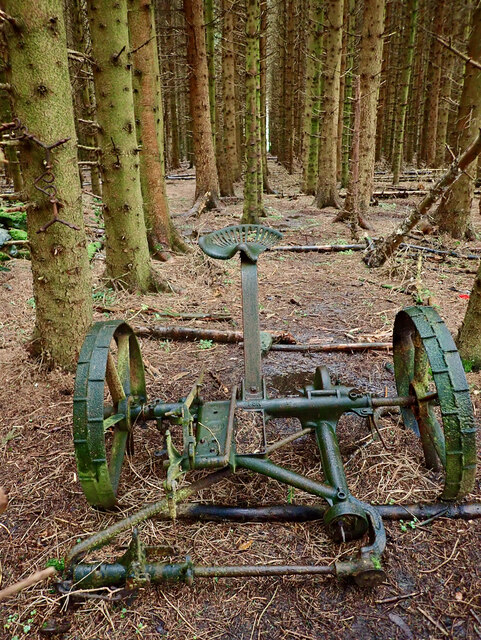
[[110, 398]]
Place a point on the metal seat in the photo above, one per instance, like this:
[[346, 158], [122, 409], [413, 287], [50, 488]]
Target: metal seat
[[250, 239]]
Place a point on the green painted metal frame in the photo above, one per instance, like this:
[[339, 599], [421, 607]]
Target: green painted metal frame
[[424, 354]]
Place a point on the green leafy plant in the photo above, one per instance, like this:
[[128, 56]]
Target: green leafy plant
[[57, 563], [165, 345], [468, 365], [92, 249], [206, 344]]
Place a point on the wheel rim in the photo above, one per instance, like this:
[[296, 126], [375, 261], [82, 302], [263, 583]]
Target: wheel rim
[[110, 371], [424, 356]]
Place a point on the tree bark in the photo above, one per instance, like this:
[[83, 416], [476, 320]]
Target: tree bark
[[412, 10], [326, 192], [370, 71], [127, 251], [161, 232], [228, 89], [42, 98], [434, 73], [253, 181], [469, 336], [205, 165], [310, 143], [454, 212]]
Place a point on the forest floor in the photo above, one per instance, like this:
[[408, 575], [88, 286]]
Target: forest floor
[[433, 573]]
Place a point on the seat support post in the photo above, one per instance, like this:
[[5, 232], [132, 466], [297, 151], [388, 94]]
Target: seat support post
[[251, 328]]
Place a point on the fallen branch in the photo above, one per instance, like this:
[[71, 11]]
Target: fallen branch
[[189, 333], [324, 248], [38, 576], [316, 347], [200, 205], [378, 255], [320, 248], [3, 500], [216, 317]]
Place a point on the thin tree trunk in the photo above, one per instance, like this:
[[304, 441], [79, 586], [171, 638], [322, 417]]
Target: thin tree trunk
[[228, 90], [370, 71], [161, 232], [454, 212], [205, 166], [435, 75], [210, 51], [311, 103], [263, 95], [252, 185], [412, 10], [60, 268], [326, 192]]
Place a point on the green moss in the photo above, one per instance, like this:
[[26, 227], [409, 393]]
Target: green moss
[[18, 234]]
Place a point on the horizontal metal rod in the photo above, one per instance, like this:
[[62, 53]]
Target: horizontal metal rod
[[306, 513], [86, 575], [261, 570], [344, 346], [395, 401], [274, 471]]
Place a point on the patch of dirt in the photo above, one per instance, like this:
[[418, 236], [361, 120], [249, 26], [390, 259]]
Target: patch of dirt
[[433, 581]]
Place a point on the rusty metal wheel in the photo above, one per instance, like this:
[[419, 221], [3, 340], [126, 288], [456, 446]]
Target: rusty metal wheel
[[110, 377], [427, 366]]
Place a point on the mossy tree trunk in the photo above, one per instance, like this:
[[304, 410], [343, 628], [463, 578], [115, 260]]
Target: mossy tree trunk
[[43, 102], [434, 73], [127, 251], [326, 192], [469, 336], [263, 94], [210, 51], [161, 232], [370, 70], [12, 166], [253, 182], [228, 90], [454, 212], [206, 182], [412, 11], [310, 143]]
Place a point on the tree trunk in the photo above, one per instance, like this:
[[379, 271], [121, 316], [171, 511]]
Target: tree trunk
[[454, 212], [252, 185], [326, 193], [451, 27], [434, 72], [210, 52], [412, 10], [228, 90], [289, 87], [263, 95], [469, 336], [205, 167], [161, 233], [43, 102], [127, 251], [370, 71], [174, 105], [310, 144]]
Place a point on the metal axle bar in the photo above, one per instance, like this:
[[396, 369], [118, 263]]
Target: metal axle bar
[[301, 513]]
